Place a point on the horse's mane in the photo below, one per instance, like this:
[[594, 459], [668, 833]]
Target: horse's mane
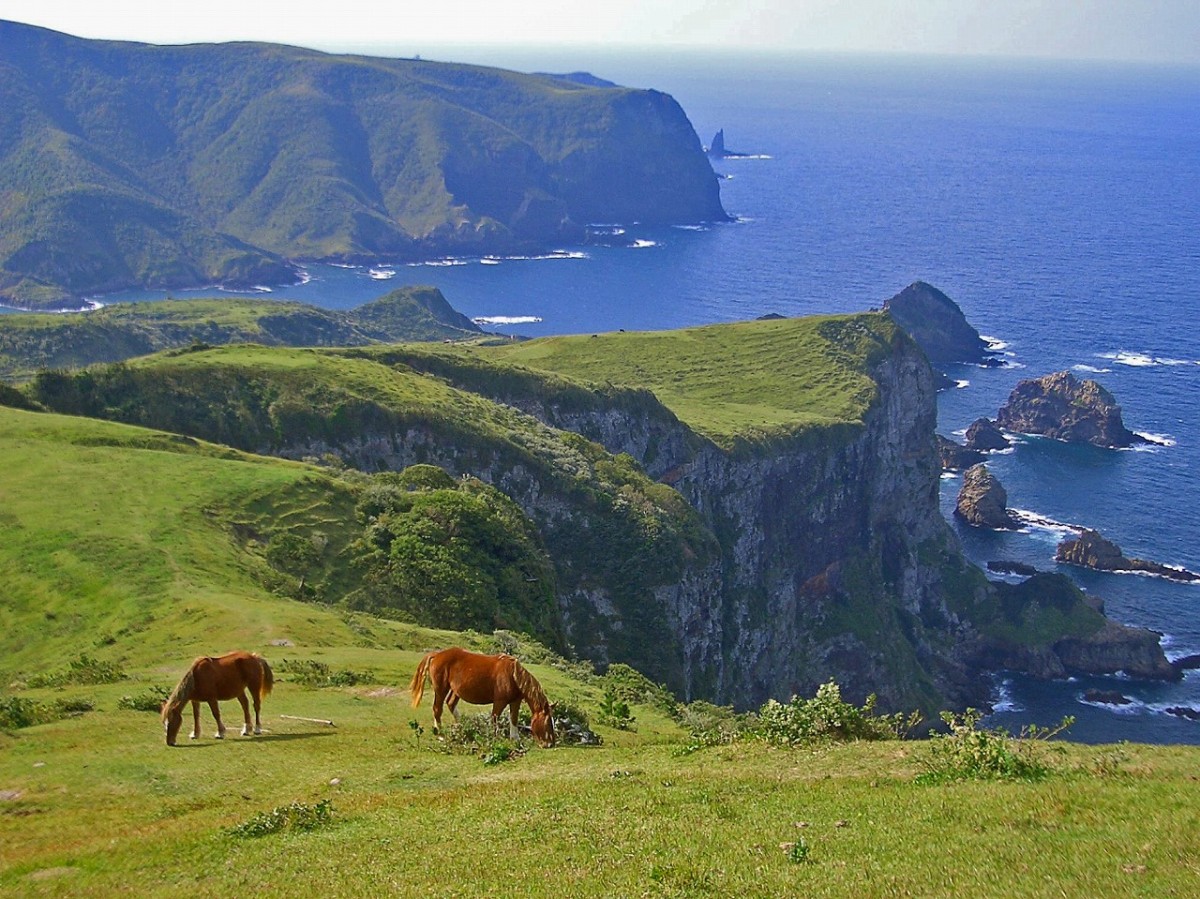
[[530, 688], [183, 690]]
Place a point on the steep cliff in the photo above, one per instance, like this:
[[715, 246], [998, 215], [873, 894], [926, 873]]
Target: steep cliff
[[741, 511]]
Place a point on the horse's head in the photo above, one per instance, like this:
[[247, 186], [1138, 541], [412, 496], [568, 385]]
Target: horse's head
[[172, 718], [542, 725]]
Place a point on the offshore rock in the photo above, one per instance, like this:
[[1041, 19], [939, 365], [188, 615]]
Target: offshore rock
[[1061, 406], [983, 435], [1091, 550], [955, 456], [1009, 566], [1117, 647], [983, 501], [938, 326], [1093, 644]]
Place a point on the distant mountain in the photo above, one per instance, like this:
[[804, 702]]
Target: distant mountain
[[125, 164]]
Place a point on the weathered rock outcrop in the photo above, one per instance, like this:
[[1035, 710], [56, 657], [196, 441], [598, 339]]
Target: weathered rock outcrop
[[1028, 635], [1061, 406], [955, 456], [983, 501], [1010, 566], [938, 326], [1116, 647], [984, 436], [1091, 550]]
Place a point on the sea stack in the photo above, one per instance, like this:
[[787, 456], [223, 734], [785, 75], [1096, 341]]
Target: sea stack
[[983, 501], [938, 326], [1061, 406]]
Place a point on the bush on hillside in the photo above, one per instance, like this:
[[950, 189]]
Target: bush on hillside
[[969, 752], [454, 554], [827, 716]]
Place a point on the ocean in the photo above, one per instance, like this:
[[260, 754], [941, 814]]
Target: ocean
[[1057, 203]]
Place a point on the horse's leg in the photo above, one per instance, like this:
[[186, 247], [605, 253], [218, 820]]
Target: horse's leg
[[257, 705], [245, 712], [513, 708], [216, 710], [452, 705], [195, 734], [439, 697]]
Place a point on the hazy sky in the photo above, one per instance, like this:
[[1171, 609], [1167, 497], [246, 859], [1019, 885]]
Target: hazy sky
[[1166, 30]]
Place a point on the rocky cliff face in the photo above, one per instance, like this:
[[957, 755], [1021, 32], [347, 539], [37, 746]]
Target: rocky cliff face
[[822, 540]]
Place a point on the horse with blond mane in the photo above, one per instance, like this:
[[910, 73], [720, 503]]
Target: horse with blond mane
[[481, 679], [215, 678]]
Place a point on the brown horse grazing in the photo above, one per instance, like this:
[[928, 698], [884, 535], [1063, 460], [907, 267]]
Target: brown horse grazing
[[212, 679], [501, 680]]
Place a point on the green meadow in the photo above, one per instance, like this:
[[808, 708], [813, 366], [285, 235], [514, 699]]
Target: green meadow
[[127, 552]]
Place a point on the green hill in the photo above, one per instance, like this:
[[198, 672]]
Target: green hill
[[129, 164], [114, 333]]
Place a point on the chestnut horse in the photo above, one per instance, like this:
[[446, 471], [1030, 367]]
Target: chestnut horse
[[211, 679], [501, 680]]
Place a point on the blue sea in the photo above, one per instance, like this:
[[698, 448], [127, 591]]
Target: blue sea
[[1057, 203]]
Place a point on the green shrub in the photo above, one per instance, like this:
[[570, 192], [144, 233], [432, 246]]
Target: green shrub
[[296, 816], [477, 735], [969, 752], [311, 673], [828, 717], [149, 700], [17, 711], [614, 711], [84, 670]]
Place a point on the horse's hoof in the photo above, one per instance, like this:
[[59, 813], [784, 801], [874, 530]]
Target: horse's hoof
[[193, 736], [257, 731], [220, 736], [245, 731]]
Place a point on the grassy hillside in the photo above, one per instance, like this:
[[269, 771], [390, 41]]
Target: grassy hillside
[[129, 164], [114, 333], [746, 381], [130, 551]]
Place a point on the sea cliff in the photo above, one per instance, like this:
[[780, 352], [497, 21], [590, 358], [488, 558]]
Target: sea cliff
[[741, 511]]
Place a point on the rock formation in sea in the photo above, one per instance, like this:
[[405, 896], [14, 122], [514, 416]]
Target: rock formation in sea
[[1105, 647], [1010, 566], [718, 150], [983, 435], [983, 501], [938, 326], [1061, 406], [955, 456], [1091, 550]]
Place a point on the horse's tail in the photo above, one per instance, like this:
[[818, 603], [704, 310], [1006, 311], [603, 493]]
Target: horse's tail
[[529, 687], [183, 690], [267, 681], [417, 687]]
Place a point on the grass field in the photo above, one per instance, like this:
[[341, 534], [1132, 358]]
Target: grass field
[[98, 805]]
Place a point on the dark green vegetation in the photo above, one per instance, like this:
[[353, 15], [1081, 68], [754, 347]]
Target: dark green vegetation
[[29, 343], [128, 164]]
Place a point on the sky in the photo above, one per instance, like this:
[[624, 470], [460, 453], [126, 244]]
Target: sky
[[1144, 30]]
